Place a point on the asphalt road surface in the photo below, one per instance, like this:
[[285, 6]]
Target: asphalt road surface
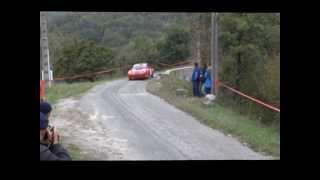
[[148, 128]]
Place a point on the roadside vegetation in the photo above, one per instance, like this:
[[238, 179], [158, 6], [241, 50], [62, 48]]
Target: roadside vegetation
[[61, 90], [255, 134]]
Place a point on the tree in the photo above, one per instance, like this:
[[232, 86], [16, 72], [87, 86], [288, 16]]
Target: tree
[[174, 45], [144, 50], [249, 47], [133, 37], [83, 57]]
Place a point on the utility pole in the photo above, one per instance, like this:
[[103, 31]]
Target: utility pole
[[46, 73], [214, 53], [198, 48]]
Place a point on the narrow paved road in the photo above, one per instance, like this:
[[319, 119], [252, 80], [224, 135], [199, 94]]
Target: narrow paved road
[[148, 128]]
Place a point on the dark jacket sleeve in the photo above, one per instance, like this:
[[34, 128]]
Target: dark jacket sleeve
[[55, 153]]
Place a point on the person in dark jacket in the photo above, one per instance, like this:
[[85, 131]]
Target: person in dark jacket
[[46, 109], [196, 80], [50, 149], [203, 72]]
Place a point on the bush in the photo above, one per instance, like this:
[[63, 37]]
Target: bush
[[83, 57], [174, 45], [250, 61]]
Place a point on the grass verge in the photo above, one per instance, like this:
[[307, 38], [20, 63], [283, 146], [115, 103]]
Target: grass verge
[[63, 90], [259, 137]]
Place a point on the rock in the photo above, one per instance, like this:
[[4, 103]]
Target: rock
[[158, 84], [181, 92], [208, 99], [187, 78]]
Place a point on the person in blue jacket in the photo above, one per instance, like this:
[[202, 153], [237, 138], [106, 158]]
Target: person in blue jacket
[[196, 80], [206, 82], [202, 78]]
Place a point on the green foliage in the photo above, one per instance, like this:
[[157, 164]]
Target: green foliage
[[83, 57], [144, 50], [132, 37], [250, 58], [175, 45], [63, 90]]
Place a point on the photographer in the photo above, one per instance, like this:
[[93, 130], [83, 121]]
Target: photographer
[[50, 149], [45, 108]]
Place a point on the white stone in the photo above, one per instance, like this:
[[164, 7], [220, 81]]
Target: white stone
[[210, 97]]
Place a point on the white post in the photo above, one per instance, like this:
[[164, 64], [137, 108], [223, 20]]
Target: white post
[[42, 74]]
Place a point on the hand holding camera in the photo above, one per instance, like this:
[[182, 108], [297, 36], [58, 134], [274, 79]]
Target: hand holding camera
[[52, 135], [55, 136]]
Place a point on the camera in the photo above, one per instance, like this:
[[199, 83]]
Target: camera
[[48, 140], [50, 128]]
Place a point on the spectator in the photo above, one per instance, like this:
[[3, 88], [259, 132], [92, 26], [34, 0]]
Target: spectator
[[50, 149], [207, 82], [46, 109], [196, 80], [202, 78]]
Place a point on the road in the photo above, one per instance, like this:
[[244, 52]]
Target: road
[[141, 126]]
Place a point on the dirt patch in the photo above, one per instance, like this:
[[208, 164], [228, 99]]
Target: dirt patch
[[82, 133]]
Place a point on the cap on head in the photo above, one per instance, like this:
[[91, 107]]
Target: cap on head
[[43, 121], [45, 108]]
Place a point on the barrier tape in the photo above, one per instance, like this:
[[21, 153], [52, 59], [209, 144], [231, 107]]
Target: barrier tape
[[248, 97]]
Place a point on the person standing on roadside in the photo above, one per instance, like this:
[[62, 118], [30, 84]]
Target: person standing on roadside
[[202, 79], [207, 81], [196, 80]]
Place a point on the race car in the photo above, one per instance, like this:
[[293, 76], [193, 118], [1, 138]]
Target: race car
[[140, 71]]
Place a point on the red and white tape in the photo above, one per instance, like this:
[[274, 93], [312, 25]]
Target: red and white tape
[[218, 83]]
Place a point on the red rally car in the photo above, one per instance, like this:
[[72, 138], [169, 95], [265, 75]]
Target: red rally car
[[140, 71]]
